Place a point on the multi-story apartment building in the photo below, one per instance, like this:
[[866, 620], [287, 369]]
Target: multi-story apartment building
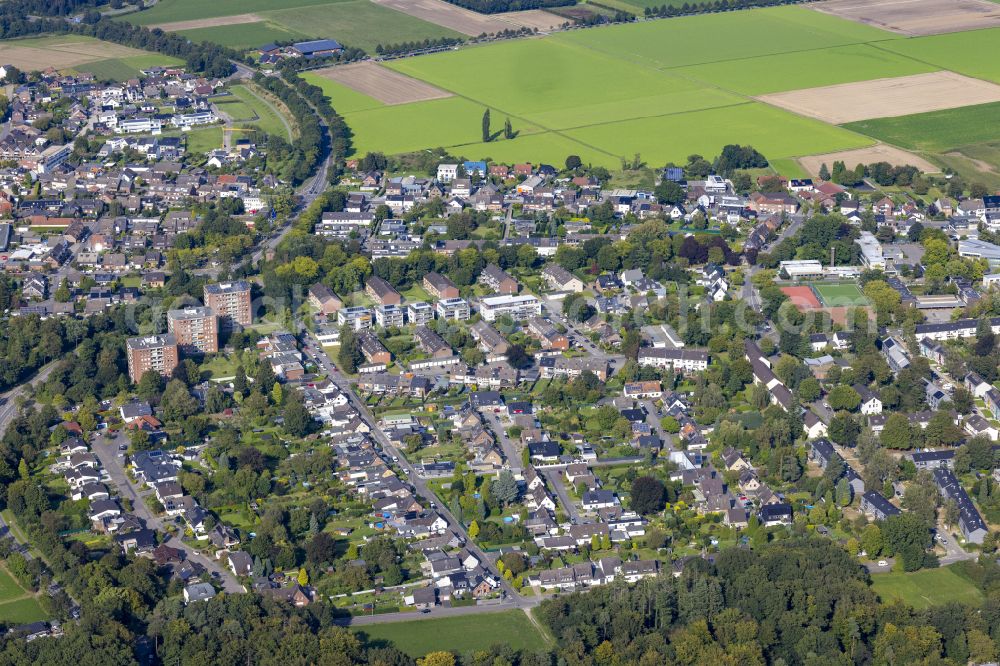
[[520, 308], [231, 303], [153, 352], [453, 308], [196, 329]]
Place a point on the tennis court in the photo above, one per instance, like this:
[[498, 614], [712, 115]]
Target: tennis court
[[834, 295], [802, 297]]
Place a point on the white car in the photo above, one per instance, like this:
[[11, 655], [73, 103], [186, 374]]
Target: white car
[[883, 563]]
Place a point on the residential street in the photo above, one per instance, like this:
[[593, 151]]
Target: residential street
[[107, 452], [554, 478], [511, 450]]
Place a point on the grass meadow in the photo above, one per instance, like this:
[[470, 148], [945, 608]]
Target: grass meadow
[[460, 634], [343, 99], [17, 605], [268, 118], [928, 587]]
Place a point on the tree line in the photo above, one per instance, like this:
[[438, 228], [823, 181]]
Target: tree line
[[500, 6], [667, 11]]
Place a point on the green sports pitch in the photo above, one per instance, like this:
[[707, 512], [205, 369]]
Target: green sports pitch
[[834, 295]]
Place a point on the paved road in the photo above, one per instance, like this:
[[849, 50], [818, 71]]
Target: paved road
[[653, 421], [554, 479], [420, 485], [511, 450], [8, 400], [107, 453], [953, 551]]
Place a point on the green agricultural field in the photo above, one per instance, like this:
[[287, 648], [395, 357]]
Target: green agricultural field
[[270, 119], [575, 87], [358, 23], [244, 35], [809, 69], [438, 122], [168, 11], [974, 53], [694, 40], [773, 132], [926, 588], [840, 294], [936, 131], [460, 634], [343, 99]]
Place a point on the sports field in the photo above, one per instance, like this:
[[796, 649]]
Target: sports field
[[921, 589], [460, 634], [836, 295], [804, 298]]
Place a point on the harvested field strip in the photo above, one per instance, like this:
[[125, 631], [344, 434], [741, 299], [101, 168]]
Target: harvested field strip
[[193, 24], [448, 16], [879, 153], [883, 98], [916, 17], [385, 85]]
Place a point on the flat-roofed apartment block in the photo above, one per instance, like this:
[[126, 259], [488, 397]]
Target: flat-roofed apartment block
[[419, 313], [196, 329], [439, 286], [231, 302], [358, 316], [453, 308], [389, 315], [152, 352], [520, 308]]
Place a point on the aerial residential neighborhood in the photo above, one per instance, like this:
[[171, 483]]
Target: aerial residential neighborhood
[[460, 332]]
